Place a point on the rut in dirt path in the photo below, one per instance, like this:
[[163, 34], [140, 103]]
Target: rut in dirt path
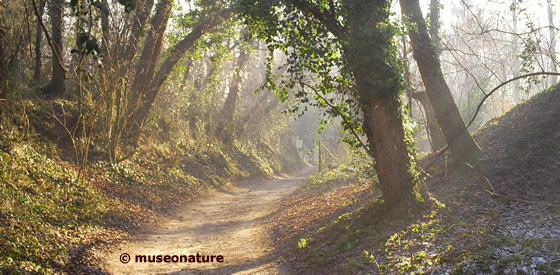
[[228, 222]]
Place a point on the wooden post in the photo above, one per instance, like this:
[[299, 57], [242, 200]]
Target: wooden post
[[319, 145]]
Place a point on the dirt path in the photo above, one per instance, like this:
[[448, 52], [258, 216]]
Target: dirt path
[[228, 222]]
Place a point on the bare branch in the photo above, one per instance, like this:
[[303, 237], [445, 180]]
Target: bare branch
[[501, 85]]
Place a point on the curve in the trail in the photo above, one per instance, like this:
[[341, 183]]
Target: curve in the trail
[[227, 222]]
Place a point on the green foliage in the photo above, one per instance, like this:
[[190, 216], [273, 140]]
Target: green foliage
[[302, 243], [319, 73]]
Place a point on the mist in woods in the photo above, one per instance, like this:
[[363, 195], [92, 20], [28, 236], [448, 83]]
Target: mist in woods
[[281, 137]]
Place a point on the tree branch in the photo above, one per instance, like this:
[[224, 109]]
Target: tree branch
[[501, 85], [344, 119], [327, 19]]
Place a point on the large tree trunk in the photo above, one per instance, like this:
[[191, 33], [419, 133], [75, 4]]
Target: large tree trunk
[[368, 46], [38, 38], [57, 86], [436, 137], [386, 137], [461, 143], [379, 86]]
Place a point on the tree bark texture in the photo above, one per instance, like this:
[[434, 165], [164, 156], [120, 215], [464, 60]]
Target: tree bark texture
[[435, 25]]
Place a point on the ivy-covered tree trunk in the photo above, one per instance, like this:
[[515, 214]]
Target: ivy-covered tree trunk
[[461, 143], [372, 58], [436, 137], [386, 138], [369, 49], [57, 85]]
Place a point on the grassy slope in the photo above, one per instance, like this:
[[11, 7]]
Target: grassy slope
[[500, 216], [49, 220]]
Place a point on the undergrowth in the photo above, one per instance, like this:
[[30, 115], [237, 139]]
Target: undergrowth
[[342, 174], [44, 211]]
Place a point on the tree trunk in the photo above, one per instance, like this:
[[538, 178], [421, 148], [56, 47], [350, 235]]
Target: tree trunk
[[461, 143], [552, 35], [3, 69], [386, 137], [57, 85], [379, 85], [3, 66], [142, 12], [148, 62], [152, 48], [516, 91], [139, 116], [434, 26], [107, 76], [437, 140], [228, 110], [38, 38]]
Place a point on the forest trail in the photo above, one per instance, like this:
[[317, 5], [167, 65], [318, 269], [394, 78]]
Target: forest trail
[[228, 222]]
